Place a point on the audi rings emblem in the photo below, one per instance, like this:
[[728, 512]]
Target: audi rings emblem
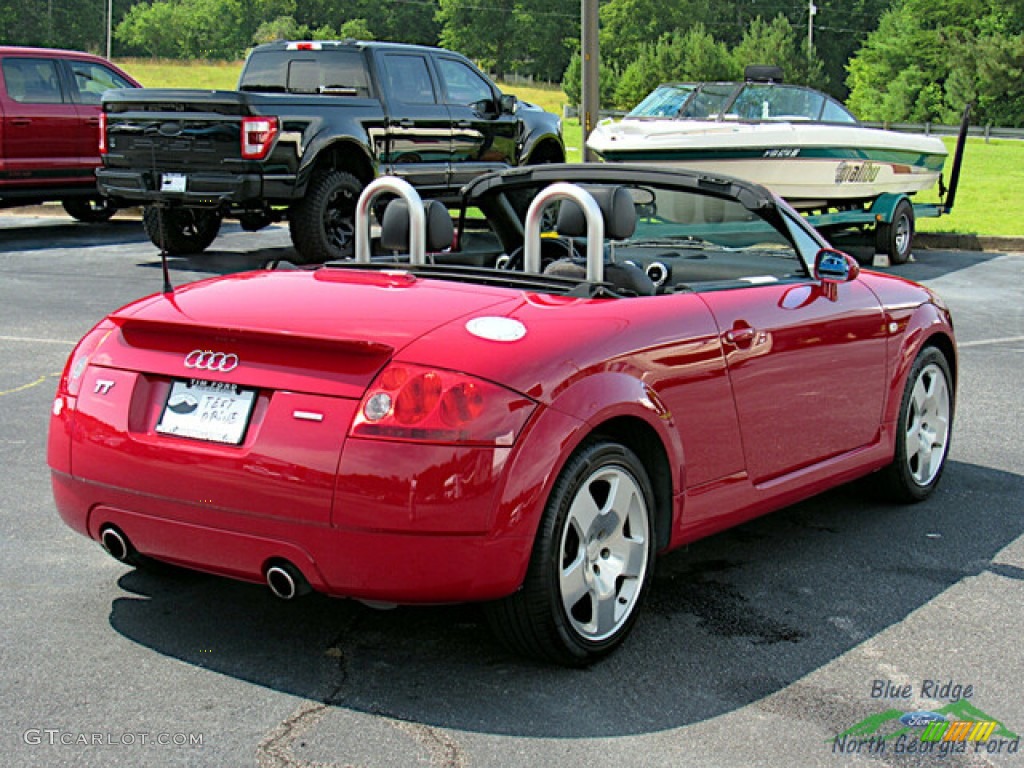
[[208, 360]]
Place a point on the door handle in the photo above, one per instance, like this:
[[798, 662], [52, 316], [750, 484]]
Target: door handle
[[740, 337], [21, 121], [464, 124], [404, 123]]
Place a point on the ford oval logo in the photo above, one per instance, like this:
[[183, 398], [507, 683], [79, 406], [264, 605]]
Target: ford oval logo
[[922, 718], [170, 129]]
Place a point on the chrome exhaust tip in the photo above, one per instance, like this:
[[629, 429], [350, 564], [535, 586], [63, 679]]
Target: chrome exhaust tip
[[116, 544], [286, 581]]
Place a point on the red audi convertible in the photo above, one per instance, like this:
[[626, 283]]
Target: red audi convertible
[[589, 365]]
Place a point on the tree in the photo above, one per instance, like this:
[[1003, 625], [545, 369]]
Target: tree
[[905, 70], [840, 29], [627, 26], [357, 29], [548, 33], [489, 37], [142, 30], [572, 82], [991, 76], [281, 28], [395, 20], [775, 43], [692, 56]]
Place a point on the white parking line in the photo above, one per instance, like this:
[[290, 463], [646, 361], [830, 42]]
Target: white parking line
[[989, 342], [31, 340]]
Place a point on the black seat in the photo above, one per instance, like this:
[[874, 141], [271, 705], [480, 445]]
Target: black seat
[[619, 214], [394, 227], [617, 210]]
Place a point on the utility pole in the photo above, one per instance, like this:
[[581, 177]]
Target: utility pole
[[110, 23], [591, 94], [812, 9]]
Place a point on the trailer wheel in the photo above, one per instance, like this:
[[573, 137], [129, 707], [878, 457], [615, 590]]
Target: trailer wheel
[[896, 238]]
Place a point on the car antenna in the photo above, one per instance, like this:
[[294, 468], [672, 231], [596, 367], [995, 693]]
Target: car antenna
[[168, 288]]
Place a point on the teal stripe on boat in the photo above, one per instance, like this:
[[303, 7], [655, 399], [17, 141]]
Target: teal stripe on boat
[[929, 161]]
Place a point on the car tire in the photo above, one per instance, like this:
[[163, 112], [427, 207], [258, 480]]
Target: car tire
[[91, 210], [181, 231], [923, 430], [322, 224], [896, 239], [592, 561]]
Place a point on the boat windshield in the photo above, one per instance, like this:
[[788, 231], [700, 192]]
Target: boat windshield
[[709, 101], [754, 102], [766, 101], [663, 101]]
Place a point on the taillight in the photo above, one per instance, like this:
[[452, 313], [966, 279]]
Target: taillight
[[71, 380], [258, 134], [413, 402], [103, 133]]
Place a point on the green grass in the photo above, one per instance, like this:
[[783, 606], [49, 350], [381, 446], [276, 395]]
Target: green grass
[[989, 201], [168, 73], [990, 198]]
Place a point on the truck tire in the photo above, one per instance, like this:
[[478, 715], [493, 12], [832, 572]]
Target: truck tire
[[322, 224], [91, 210], [896, 238], [181, 231]]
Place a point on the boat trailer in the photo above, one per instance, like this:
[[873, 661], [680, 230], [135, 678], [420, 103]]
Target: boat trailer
[[890, 217]]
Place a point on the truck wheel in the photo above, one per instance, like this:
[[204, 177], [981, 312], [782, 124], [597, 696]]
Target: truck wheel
[[322, 224], [181, 231], [548, 152], [896, 238], [91, 210]]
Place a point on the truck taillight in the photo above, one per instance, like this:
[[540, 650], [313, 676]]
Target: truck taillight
[[103, 133], [258, 134]]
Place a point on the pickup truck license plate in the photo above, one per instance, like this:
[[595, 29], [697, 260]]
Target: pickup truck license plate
[[207, 410], [172, 182]]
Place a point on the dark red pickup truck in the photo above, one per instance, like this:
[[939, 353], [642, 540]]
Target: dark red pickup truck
[[49, 128]]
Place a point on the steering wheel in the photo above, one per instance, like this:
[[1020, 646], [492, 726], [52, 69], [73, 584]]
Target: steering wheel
[[551, 249]]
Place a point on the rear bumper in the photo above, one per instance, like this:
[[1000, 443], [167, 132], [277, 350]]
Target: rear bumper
[[370, 565], [203, 189]]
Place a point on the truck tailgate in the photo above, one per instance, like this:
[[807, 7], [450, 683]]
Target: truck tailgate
[[178, 130]]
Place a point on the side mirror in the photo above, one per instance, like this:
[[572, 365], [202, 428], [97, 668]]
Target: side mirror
[[508, 104], [834, 267]]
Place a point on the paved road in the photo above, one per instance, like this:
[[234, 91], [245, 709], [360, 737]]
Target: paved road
[[758, 646]]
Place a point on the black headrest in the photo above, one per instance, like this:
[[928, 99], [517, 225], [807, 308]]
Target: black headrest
[[394, 227], [617, 209]]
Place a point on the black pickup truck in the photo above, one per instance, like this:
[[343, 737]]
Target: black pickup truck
[[310, 125]]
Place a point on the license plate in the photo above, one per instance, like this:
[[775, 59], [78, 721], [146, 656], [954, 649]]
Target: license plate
[[172, 182], [207, 410]]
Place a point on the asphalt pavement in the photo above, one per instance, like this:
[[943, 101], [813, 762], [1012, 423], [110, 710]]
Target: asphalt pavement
[[798, 639]]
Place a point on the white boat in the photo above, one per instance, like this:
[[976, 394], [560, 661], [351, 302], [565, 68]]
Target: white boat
[[798, 142]]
